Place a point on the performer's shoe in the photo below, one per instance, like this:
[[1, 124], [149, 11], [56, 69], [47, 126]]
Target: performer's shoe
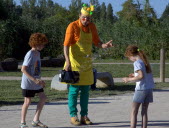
[[75, 121], [85, 120]]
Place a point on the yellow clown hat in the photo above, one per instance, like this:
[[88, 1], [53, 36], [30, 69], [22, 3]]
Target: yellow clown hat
[[87, 10]]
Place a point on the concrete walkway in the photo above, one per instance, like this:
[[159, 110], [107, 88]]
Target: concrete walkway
[[50, 78], [105, 112]]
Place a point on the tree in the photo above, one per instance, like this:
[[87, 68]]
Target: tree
[[50, 8], [32, 8], [25, 7], [149, 15], [109, 16], [148, 10], [75, 8], [165, 15], [103, 12], [3, 11], [130, 12], [7, 7], [97, 9]]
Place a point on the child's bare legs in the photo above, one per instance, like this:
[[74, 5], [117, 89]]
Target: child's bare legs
[[144, 115], [134, 112], [40, 105], [27, 101]]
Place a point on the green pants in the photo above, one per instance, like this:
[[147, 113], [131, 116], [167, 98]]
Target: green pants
[[72, 99]]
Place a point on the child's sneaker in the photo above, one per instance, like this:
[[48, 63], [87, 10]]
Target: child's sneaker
[[85, 120], [75, 121]]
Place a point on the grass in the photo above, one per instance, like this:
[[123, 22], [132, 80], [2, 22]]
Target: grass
[[121, 61], [10, 91], [11, 94], [46, 72], [116, 70]]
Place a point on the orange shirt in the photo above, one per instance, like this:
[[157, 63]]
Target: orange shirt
[[73, 33]]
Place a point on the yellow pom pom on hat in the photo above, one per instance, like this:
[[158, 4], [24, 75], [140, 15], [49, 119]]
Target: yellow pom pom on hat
[[87, 10]]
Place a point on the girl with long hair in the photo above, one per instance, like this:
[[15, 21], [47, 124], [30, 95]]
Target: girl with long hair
[[144, 84]]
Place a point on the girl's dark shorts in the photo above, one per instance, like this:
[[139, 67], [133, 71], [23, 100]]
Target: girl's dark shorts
[[31, 93]]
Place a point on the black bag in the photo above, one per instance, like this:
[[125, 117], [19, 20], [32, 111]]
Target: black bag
[[70, 77]]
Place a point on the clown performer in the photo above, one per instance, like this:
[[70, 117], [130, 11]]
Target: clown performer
[[79, 37]]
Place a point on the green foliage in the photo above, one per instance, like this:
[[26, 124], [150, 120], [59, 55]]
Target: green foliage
[[149, 15], [8, 36], [3, 10], [103, 12], [165, 15], [135, 25], [75, 8], [54, 28], [130, 12], [97, 10], [109, 15]]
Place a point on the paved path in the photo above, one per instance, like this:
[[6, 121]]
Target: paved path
[[50, 78], [125, 63], [105, 112]]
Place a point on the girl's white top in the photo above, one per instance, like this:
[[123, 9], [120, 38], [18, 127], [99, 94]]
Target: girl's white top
[[147, 81]]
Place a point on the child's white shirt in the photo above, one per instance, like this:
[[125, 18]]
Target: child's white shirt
[[147, 81]]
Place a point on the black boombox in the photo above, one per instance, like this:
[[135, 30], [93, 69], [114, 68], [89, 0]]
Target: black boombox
[[70, 77]]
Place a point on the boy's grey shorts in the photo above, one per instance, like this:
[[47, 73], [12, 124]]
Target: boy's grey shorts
[[143, 96]]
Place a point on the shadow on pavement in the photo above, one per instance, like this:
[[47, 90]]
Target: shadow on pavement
[[17, 110], [161, 90], [114, 124], [65, 103], [6, 103], [122, 124], [159, 123], [119, 124]]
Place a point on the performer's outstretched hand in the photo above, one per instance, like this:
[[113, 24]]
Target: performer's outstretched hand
[[107, 45]]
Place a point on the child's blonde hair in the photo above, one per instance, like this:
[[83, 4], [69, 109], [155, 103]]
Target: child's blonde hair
[[37, 39], [133, 50]]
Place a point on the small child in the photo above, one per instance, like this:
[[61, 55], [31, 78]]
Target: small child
[[31, 82], [144, 84]]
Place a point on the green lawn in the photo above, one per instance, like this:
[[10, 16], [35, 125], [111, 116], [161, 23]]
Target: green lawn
[[10, 92], [117, 70], [46, 72], [123, 70], [122, 61]]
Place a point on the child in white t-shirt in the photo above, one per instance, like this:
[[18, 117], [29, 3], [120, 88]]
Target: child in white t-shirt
[[144, 84], [31, 83]]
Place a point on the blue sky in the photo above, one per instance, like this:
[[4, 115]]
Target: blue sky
[[158, 5]]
